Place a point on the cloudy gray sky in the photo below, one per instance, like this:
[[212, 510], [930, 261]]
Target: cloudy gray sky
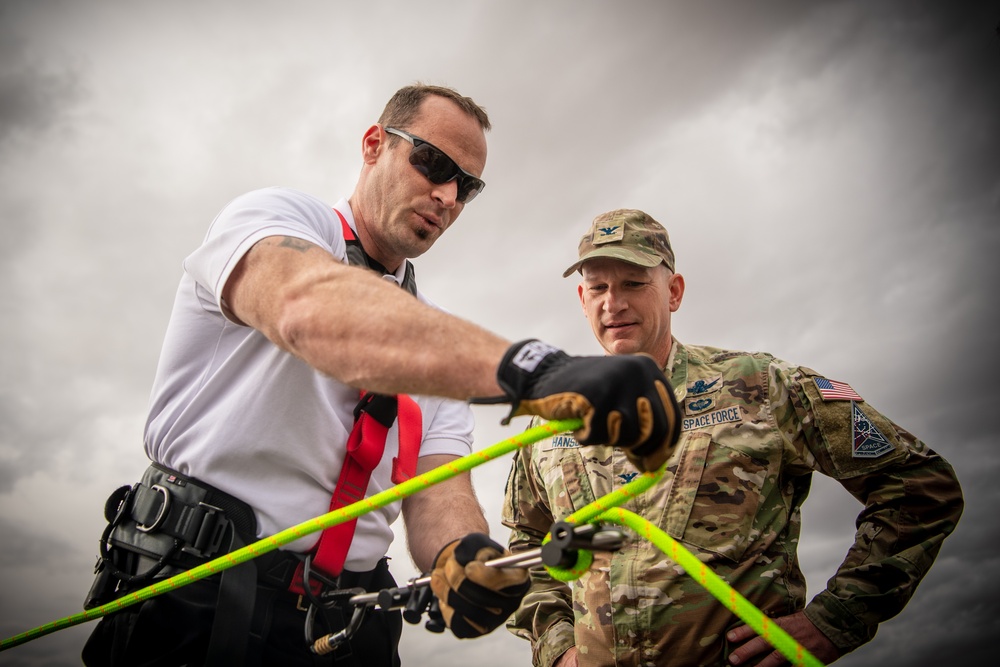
[[829, 173]]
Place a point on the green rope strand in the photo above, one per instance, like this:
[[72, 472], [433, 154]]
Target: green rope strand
[[263, 546], [606, 508], [794, 652]]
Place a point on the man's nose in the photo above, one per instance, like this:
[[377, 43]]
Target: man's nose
[[446, 193], [614, 301]]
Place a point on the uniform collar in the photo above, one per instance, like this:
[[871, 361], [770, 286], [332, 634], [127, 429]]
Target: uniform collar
[[677, 369]]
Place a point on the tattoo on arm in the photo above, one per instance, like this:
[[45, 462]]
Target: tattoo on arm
[[295, 244]]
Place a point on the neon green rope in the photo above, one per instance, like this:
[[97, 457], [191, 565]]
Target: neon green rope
[[602, 509], [606, 508], [713, 583], [226, 561]]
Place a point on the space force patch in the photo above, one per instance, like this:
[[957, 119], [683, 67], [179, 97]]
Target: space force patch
[[714, 418], [869, 443]]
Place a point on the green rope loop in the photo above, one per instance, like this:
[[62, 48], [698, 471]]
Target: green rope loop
[[606, 508]]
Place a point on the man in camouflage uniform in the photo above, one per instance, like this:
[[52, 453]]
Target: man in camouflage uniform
[[754, 429]]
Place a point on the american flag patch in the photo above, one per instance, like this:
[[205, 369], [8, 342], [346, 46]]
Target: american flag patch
[[831, 390]]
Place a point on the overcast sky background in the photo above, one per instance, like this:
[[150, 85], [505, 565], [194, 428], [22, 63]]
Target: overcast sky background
[[829, 173]]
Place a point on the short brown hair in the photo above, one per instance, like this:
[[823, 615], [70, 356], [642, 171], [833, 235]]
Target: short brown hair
[[403, 106]]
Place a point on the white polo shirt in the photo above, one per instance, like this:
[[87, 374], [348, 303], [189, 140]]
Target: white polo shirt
[[230, 408]]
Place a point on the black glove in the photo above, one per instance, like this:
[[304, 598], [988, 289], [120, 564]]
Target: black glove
[[624, 401], [475, 599]]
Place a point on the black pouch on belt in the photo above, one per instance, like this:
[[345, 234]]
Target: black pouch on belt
[[167, 523]]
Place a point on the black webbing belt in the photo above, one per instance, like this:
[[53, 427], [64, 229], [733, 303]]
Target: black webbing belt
[[169, 520]]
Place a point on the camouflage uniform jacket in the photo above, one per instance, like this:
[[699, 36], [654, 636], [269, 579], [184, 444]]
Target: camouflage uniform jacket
[[754, 429]]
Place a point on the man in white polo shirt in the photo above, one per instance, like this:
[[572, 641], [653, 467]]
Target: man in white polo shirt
[[277, 327]]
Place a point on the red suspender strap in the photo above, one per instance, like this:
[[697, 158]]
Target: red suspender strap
[[411, 432], [348, 232], [365, 445], [373, 417]]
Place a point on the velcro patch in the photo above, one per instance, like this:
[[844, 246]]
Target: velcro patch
[[831, 390], [561, 442], [720, 416], [869, 443], [699, 404], [608, 234], [704, 386]]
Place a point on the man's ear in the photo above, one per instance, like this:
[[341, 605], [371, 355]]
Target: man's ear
[[373, 143], [676, 287]]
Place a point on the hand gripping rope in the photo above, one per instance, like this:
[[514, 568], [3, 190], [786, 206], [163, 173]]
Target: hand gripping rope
[[605, 509]]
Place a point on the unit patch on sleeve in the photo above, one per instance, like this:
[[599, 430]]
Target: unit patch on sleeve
[[831, 390], [869, 443]]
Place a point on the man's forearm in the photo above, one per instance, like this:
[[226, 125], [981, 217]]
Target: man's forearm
[[362, 330], [440, 514]]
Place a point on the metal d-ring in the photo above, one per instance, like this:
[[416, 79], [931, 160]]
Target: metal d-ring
[[161, 515]]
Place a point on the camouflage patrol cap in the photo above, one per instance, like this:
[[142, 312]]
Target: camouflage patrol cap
[[626, 234]]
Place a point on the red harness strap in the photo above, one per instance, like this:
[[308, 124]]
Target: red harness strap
[[373, 416]]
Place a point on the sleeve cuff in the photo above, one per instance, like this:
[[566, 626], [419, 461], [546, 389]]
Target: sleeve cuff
[[555, 641], [838, 623]]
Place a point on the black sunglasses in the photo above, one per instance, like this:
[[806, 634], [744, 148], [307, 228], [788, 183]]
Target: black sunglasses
[[435, 164]]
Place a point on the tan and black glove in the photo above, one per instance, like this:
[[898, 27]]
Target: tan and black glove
[[624, 401], [475, 599]]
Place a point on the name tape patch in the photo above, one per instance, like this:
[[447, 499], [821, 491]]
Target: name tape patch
[[721, 416], [563, 442]]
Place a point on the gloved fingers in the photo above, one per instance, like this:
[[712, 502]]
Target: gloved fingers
[[474, 599], [671, 409], [565, 405], [484, 608], [472, 610], [474, 546], [460, 620], [441, 587], [651, 455], [497, 579], [644, 408], [614, 428]]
